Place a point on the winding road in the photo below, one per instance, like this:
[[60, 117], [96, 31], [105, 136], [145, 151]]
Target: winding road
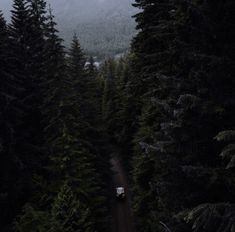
[[121, 211]]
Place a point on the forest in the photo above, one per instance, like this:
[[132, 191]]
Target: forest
[[167, 109]]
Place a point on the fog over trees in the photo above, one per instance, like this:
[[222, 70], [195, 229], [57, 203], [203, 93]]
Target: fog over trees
[[143, 142], [104, 27]]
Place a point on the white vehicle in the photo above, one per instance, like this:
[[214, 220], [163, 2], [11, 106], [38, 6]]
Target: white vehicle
[[120, 192]]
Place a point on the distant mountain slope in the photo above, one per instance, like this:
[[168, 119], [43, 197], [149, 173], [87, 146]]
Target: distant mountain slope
[[104, 27]]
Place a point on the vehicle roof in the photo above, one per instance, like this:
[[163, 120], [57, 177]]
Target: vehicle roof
[[120, 190]]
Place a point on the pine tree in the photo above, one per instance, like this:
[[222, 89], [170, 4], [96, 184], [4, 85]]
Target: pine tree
[[152, 82], [19, 33], [50, 119], [12, 185], [76, 63], [92, 94], [27, 40], [28, 65], [55, 78], [76, 70], [69, 214], [176, 150], [87, 148], [125, 118], [37, 22], [109, 107], [20, 45], [37, 69], [32, 219]]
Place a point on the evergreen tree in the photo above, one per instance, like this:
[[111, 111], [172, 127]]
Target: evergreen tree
[[20, 45], [76, 63], [125, 118], [12, 188], [87, 131], [52, 138], [19, 33], [32, 219], [37, 70], [69, 214], [27, 65], [92, 95], [25, 32], [109, 108], [176, 151], [118, 104]]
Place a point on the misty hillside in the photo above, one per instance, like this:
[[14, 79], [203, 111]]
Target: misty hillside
[[104, 27]]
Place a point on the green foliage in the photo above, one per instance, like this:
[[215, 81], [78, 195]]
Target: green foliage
[[48, 135], [162, 105], [67, 129], [13, 185], [32, 219], [228, 152], [119, 109], [68, 213], [76, 59], [180, 95], [212, 217], [109, 95], [227, 136]]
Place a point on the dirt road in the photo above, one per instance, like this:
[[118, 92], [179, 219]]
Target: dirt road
[[121, 212]]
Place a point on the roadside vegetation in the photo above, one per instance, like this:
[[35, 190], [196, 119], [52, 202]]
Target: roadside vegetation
[[167, 107]]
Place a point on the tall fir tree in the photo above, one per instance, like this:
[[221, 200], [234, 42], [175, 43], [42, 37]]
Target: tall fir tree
[[90, 159], [69, 214], [179, 103], [109, 94], [50, 121], [13, 187]]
